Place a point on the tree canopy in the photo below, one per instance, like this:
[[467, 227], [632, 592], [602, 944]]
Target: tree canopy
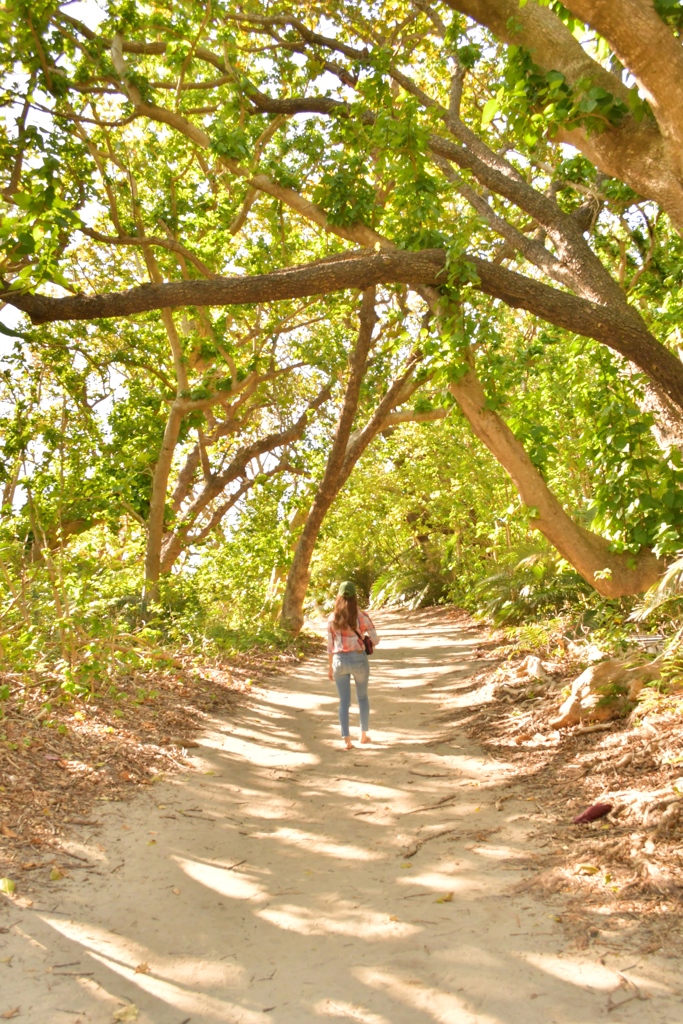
[[377, 288]]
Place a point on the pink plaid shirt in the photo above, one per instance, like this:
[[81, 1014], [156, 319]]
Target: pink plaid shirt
[[347, 641]]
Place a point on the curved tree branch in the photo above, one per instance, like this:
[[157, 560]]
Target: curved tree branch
[[617, 328], [634, 151], [648, 48]]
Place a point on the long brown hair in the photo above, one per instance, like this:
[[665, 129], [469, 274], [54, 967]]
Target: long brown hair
[[345, 614]]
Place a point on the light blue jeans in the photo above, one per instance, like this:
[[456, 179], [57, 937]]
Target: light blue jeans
[[345, 665]]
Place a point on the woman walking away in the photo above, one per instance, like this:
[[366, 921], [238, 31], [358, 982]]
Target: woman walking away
[[348, 630]]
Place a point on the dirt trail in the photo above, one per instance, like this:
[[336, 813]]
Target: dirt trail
[[278, 883]]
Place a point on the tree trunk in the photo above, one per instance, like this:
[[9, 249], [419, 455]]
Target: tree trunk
[[155, 522], [299, 573], [611, 573], [291, 617], [667, 427], [162, 470], [273, 600]]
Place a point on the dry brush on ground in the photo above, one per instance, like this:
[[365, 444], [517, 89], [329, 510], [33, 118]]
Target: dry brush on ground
[[60, 759], [619, 874]]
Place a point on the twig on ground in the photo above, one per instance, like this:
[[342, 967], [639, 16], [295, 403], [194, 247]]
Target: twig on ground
[[75, 856], [432, 807], [419, 843]]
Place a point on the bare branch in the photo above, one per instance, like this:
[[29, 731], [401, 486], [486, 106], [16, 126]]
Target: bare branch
[[162, 243], [411, 416]]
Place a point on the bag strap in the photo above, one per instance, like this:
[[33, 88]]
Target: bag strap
[[357, 633]]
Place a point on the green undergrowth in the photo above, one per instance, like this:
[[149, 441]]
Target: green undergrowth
[[78, 620]]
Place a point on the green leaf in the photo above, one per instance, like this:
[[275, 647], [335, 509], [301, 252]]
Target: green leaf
[[491, 108]]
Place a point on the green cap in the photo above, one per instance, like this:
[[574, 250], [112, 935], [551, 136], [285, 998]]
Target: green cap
[[347, 589]]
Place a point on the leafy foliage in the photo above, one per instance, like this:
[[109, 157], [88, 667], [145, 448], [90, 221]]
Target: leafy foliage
[[537, 584], [201, 155]]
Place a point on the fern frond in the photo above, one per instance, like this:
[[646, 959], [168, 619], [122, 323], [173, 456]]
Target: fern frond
[[665, 591]]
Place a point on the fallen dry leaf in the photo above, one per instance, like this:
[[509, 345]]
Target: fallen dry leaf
[[142, 969], [11, 1013], [176, 892], [47, 773], [448, 898], [56, 875], [126, 1013], [587, 869], [393, 917], [8, 833], [7, 885]]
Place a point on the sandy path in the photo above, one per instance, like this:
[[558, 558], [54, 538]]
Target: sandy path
[[272, 883]]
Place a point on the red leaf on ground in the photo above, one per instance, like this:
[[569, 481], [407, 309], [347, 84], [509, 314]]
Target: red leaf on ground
[[592, 813]]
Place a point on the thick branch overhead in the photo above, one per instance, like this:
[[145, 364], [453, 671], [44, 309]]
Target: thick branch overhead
[[613, 327]]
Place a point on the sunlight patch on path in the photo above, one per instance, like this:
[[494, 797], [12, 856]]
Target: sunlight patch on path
[[346, 1011], [319, 844], [438, 881], [189, 1002], [358, 787], [588, 976], [441, 1007], [298, 701], [348, 919], [266, 806], [225, 881], [126, 954], [249, 749]]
